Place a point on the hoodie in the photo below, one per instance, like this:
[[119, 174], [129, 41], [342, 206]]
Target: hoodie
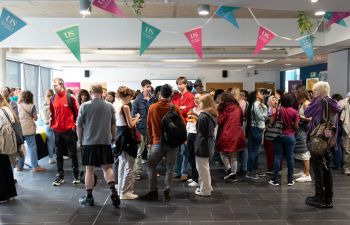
[[205, 141]]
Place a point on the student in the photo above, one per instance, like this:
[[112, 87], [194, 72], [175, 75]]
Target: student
[[83, 96]]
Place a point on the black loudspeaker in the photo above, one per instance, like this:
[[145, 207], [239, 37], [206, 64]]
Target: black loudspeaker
[[87, 73], [224, 73]]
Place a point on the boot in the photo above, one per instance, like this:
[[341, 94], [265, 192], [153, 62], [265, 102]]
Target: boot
[[315, 201], [166, 197]]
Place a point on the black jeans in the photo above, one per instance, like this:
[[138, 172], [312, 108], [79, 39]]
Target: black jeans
[[63, 141], [323, 177], [191, 141]]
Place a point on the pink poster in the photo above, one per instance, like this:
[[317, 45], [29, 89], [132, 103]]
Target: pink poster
[[195, 38], [336, 16], [109, 6], [264, 37], [74, 86]]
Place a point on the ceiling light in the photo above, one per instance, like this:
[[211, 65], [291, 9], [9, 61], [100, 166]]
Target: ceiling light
[[85, 7], [203, 9], [180, 60], [287, 64], [314, 1], [320, 13], [236, 60]]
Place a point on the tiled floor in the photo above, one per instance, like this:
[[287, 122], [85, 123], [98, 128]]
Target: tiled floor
[[243, 202]]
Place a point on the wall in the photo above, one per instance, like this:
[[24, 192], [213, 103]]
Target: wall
[[305, 72], [338, 72], [132, 76]]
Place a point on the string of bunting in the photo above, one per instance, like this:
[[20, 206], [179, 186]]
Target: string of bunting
[[10, 24]]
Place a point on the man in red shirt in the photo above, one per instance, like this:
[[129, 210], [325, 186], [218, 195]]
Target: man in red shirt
[[185, 101], [63, 116]]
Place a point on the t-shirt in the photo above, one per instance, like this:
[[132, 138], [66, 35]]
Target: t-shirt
[[289, 117]]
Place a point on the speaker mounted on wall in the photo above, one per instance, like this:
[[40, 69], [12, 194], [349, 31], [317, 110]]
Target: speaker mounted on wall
[[224, 74], [87, 73]]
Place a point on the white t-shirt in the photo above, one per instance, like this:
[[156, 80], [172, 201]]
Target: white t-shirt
[[118, 114]]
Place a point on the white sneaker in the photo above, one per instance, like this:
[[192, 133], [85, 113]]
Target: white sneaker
[[52, 161], [128, 196], [189, 180], [66, 157], [300, 174], [198, 192], [193, 184], [303, 179], [347, 171]]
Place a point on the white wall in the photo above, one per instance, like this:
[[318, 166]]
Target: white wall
[[338, 72], [132, 77]]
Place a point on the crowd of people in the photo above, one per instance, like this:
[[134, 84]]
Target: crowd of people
[[187, 128]]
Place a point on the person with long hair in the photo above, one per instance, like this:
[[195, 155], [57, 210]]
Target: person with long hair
[[205, 143], [83, 96], [321, 165]]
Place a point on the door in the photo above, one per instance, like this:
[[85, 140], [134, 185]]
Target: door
[[223, 86], [265, 85]]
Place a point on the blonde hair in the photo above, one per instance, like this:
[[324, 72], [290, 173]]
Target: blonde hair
[[209, 104], [236, 93], [322, 88], [4, 103]]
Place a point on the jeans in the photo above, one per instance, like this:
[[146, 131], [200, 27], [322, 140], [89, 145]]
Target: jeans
[[32, 152], [140, 150], [126, 176], [254, 147], [50, 141], [242, 160], [322, 177], [63, 141], [191, 141], [284, 145], [181, 167]]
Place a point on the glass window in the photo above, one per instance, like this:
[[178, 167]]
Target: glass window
[[45, 83], [31, 81], [13, 74], [291, 75]]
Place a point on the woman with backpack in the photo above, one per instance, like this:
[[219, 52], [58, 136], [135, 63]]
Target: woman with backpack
[[205, 143], [321, 164]]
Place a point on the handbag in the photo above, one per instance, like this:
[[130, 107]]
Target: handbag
[[275, 130], [323, 136], [132, 133], [16, 126]]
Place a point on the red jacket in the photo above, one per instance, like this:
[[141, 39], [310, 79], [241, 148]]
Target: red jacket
[[231, 137], [62, 117], [187, 99]]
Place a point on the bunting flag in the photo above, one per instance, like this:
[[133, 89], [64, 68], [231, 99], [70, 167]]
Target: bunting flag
[[148, 34], [264, 37], [341, 22], [70, 36], [109, 6], [336, 16], [9, 24], [306, 44], [195, 38], [228, 13]]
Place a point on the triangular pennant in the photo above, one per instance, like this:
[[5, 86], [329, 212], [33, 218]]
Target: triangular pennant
[[195, 38], [306, 44], [264, 37], [341, 22], [336, 16], [109, 6], [227, 12], [9, 24], [148, 34], [70, 36]]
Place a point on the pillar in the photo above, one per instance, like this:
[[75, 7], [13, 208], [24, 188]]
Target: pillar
[[3, 71], [339, 72]]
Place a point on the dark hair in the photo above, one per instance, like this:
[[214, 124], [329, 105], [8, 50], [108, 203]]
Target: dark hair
[[27, 97], [145, 82], [280, 92], [226, 98], [157, 89], [181, 80], [137, 92], [189, 86], [302, 93], [166, 91], [337, 97], [217, 93], [287, 100], [83, 92], [70, 91], [246, 93]]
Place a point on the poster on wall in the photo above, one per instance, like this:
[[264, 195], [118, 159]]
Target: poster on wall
[[74, 86], [292, 85], [87, 85], [310, 83]]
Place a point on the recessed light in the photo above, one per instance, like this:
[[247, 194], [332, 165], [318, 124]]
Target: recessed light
[[235, 60], [320, 13], [287, 64], [314, 1], [203, 9]]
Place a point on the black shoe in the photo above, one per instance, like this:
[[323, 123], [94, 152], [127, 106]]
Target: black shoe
[[86, 201], [231, 177], [150, 196], [274, 182], [58, 181], [315, 201], [115, 199], [228, 172], [166, 196]]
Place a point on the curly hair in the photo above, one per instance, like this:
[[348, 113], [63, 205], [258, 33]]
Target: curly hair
[[124, 92]]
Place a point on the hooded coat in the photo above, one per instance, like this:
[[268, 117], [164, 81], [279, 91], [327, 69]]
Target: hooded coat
[[205, 140]]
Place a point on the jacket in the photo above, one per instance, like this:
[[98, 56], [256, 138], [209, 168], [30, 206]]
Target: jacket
[[187, 99], [231, 137], [141, 106], [62, 117], [345, 115], [205, 141]]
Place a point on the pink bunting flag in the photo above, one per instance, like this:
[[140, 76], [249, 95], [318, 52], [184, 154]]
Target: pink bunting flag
[[264, 37], [195, 38], [109, 6], [337, 16]]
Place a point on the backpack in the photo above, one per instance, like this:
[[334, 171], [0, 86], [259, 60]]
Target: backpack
[[70, 104], [8, 142], [174, 129]]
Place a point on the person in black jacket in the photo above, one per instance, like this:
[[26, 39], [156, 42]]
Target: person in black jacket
[[205, 143]]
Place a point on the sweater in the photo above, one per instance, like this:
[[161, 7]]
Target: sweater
[[205, 142]]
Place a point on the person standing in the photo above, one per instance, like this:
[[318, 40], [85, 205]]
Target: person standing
[[96, 134], [140, 106], [185, 101], [64, 110], [345, 118]]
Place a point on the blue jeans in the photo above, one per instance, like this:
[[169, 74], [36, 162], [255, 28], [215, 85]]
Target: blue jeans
[[32, 152], [338, 151], [50, 141], [181, 165], [242, 160], [254, 147], [284, 145]]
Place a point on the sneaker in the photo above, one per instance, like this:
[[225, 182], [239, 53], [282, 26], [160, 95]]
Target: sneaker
[[39, 169], [76, 180], [231, 176], [115, 199], [58, 181], [128, 196], [251, 175], [52, 161], [300, 174], [66, 157], [198, 192], [190, 180], [166, 196], [144, 161], [150, 196], [291, 183], [347, 171], [261, 174], [86, 201], [183, 178], [274, 182], [270, 172], [304, 179], [193, 184]]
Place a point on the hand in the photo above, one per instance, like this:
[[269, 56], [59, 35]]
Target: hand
[[137, 116], [183, 107]]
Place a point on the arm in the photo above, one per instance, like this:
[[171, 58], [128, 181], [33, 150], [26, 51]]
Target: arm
[[134, 108], [130, 122], [80, 135], [203, 126], [149, 126], [52, 114], [188, 104], [113, 123], [303, 118], [80, 125]]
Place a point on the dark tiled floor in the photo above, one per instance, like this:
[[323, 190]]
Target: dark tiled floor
[[240, 203]]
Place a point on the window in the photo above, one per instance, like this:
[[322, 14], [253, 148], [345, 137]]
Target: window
[[45, 83], [13, 74], [31, 80], [291, 75]]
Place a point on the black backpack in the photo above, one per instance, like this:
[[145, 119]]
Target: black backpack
[[174, 129], [70, 104]]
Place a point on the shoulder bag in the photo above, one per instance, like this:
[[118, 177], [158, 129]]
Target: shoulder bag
[[16, 126], [275, 130]]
